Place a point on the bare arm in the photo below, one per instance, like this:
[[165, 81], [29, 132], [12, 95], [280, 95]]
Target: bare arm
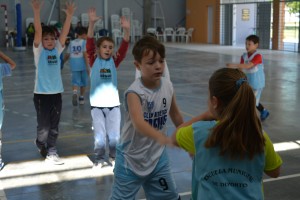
[[273, 173], [70, 8], [8, 60], [240, 66], [66, 57], [36, 6], [136, 115], [85, 55], [125, 24], [93, 18], [202, 117], [175, 113]]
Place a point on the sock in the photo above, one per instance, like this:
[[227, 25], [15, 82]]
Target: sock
[[260, 107]]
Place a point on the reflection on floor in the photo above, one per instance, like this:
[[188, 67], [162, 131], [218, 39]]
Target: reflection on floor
[[27, 176]]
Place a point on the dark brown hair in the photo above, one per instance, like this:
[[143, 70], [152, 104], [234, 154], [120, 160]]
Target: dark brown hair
[[146, 45], [238, 133], [104, 38], [253, 38], [48, 30]]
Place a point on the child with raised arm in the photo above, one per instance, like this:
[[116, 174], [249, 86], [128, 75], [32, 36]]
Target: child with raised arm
[[232, 153], [142, 160], [252, 65], [5, 70], [79, 65], [104, 95], [48, 82]]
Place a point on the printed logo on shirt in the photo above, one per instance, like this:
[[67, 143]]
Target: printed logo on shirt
[[52, 60], [150, 105], [105, 73], [156, 119]]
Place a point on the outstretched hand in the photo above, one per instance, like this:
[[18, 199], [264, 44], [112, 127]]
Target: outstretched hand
[[36, 5], [70, 8], [93, 15], [125, 24]]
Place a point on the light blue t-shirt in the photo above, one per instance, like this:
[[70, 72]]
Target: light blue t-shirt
[[256, 74], [76, 49], [104, 92], [48, 72], [217, 177], [5, 70]]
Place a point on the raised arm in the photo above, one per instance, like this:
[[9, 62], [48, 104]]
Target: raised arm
[[36, 6], [125, 24], [136, 115], [93, 18], [70, 8], [8, 60]]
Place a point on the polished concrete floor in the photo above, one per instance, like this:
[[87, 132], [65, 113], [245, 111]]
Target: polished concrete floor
[[26, 176]]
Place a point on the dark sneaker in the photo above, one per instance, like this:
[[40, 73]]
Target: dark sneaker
[[74, 100], [81, 100], [53, 159], [1, 165], [112, 161], [42, 150], [264, 114], [100, 163]]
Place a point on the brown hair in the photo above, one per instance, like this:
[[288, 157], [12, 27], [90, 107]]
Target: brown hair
[[104, 38], [253, 38], [146, 45], [48, 30], [238, 133]]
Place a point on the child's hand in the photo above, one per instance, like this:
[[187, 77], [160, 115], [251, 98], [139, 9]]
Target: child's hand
[[36, 5], [125, 24], [229, 65], [93, 15], [70, 8]]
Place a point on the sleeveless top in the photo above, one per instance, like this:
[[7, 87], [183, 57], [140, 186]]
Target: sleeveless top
[[141, 152], [104, 91], [255, 75]]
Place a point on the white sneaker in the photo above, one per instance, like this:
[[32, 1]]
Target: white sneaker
[[74, 100], [100, 163], [54, 159], [112, 162]]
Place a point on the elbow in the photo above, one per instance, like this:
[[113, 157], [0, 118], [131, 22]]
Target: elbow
[[13, 66], [273, 173]]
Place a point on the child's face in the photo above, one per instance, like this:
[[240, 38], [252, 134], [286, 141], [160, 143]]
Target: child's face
[[48, 42], [250, 46], [106, 49], [151, 67]]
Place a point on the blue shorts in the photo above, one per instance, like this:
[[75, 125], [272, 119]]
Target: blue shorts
[[80, 78], [159, 184]]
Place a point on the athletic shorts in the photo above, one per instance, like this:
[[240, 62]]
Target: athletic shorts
[[79, 78]]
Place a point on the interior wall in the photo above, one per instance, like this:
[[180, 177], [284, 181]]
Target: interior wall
[[197, 17]]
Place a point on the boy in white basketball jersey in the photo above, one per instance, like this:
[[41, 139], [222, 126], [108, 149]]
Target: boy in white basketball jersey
[[141, 159]]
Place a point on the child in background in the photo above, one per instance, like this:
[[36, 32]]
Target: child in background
[[253, 66], [104, 95], [230, 154], [48, 82], [5, 70], [142, 159], [79, 65]]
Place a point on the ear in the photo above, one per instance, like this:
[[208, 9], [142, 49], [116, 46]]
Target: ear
[[137, 65], [215, 102]]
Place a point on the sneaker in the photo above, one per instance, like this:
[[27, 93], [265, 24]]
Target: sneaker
[[100, 163], [1, 165], [81, 100], [54, 159], [112, 161], [42, 150], [74, 100], [264, 114]]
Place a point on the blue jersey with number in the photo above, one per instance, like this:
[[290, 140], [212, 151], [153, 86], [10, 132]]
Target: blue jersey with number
[[76, 50]]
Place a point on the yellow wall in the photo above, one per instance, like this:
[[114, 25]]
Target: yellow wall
[[197, 17]]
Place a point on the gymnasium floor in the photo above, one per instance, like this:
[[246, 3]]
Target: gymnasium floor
[[26, 176]]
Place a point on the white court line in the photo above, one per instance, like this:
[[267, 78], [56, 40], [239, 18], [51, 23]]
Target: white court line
[[281, 178]]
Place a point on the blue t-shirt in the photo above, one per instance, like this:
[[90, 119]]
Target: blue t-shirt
[[5, 70], [48, 72]]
